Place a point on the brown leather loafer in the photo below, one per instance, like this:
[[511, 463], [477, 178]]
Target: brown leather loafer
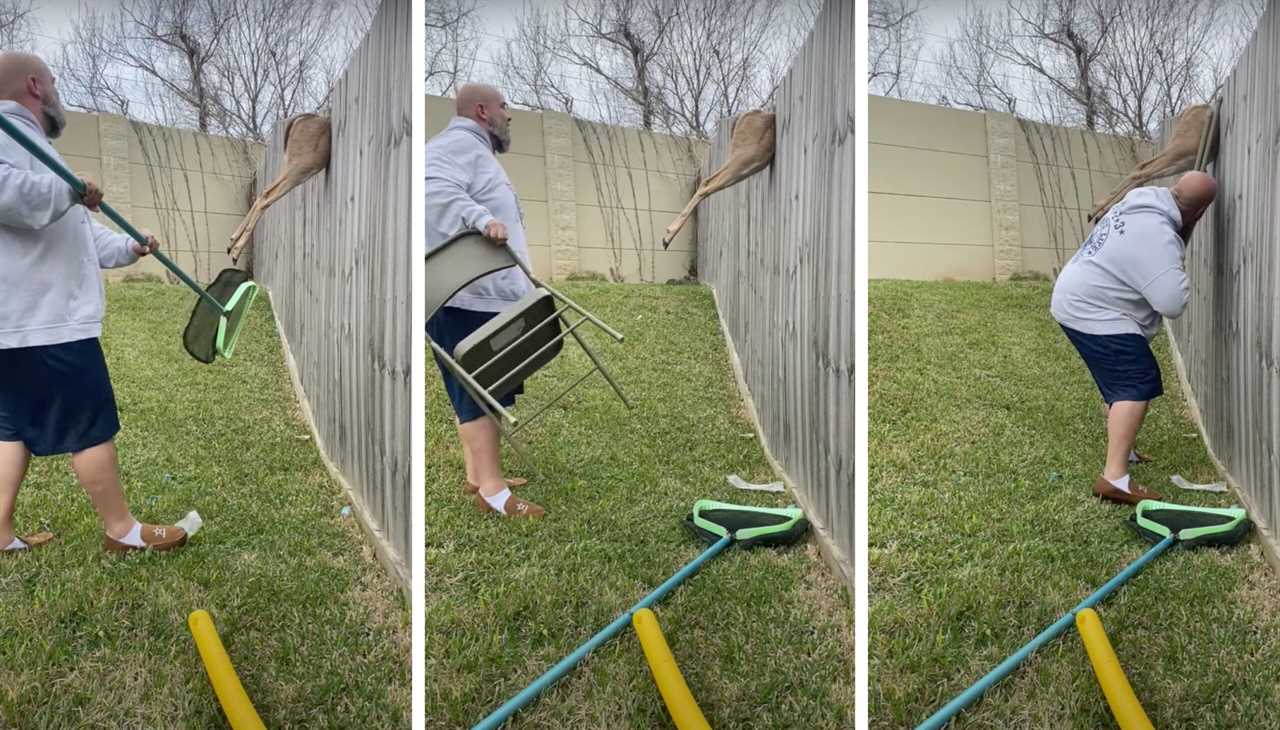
[[512, 483], [515, 507], [1137, 457], [154, 537], [34, 540], [1104, 489]]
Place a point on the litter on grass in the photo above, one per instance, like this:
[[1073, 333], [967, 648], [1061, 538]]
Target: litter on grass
[[737, 482], [1181, 483], [191, 523]]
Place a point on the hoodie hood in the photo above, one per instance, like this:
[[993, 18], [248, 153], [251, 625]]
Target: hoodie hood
[[1152, 201], [22, 115]]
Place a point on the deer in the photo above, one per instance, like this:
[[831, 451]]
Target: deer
[[1179, 155], [751, 149], [306, 152]]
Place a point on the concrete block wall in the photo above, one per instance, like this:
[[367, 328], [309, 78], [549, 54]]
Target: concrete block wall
[[969, 195], [189, 189], [596, 198]]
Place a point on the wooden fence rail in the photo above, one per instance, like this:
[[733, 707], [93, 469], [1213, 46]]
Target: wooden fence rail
[[778, 251], [336, 255], [1228, 340]]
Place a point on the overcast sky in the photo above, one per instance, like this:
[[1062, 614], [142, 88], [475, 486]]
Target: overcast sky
[[54, 17]]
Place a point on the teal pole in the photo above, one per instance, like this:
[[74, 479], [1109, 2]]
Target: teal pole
[[77, 185], [528, 694], [940, 718]]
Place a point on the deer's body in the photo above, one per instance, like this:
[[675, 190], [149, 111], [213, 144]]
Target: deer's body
[[306, 152], [1178, 156], [750, 151]]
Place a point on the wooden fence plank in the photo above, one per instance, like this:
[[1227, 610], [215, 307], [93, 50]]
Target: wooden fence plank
[[1228, 341], [778, 251], [336, 256]]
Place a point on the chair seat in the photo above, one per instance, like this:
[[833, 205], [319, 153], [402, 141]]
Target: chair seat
[[498, 334]]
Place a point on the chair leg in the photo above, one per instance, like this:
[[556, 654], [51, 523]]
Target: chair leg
[[600, 366]]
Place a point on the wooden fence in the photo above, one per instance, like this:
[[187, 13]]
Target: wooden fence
[[778, 251], [1229, 338], [336, 255]]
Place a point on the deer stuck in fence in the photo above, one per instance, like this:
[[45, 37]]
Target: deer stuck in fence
[[751, 149], [306, 152], [1178, 156]]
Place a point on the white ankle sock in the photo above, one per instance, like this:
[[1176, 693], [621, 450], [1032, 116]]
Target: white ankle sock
[[1133, 457], [1122, 483], [17, 544], [134, 536], [499, 500]]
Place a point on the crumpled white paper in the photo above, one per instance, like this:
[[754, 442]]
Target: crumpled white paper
[[1181, 483], [737, 482], [191, 523]]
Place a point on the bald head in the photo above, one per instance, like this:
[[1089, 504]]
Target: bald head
[[1194, 192], [27, 80], [485, 105]]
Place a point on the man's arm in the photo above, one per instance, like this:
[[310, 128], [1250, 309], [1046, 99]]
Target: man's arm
[[447, 197], [1167, 293], [30, 199], [114, 249]]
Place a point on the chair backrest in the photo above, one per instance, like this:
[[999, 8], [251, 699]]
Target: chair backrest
[[460, 261], [513, 345]]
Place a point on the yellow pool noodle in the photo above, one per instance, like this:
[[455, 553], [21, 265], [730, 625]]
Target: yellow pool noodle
[[662, 665], [1106, 668], [226, 685]]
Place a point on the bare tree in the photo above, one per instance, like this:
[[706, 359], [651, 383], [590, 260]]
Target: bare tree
[[677, 67], [1119, 66], [1157, 65], [895, 39], [532, 73], [17, 23], [975, 74], [717, 61], [452, 30], [230, 67]]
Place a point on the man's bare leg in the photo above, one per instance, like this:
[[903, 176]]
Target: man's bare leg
[[98, 471], [14, 459], [1123, 423], [1134, 456], [483, 441], [467, 457], [483, 449]]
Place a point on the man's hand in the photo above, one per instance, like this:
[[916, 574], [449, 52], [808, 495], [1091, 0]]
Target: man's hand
[[92, 194], [496, 232], [152, 245]]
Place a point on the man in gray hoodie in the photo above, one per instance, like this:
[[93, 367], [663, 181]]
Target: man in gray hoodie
[[466, 189], [55, 392], [1109, 300]]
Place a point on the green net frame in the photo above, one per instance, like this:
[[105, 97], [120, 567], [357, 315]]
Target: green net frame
[[211, 331], [748, 526], [1190, 526]]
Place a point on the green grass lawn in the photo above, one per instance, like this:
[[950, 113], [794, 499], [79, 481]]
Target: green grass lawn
[[985, 437], [764, 637], [318, 634]]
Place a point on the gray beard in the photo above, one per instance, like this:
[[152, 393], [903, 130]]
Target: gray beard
[[501, 139], [55, 116]]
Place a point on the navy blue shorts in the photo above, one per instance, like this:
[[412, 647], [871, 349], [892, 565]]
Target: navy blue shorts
[[1123, 366], [57, 399], [447, 328]]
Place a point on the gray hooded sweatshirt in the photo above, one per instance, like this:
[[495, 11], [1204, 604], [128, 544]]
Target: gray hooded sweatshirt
[[466, 188], [1129, 272], [51, 249]]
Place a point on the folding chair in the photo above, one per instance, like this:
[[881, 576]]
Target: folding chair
[[516, 343]]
